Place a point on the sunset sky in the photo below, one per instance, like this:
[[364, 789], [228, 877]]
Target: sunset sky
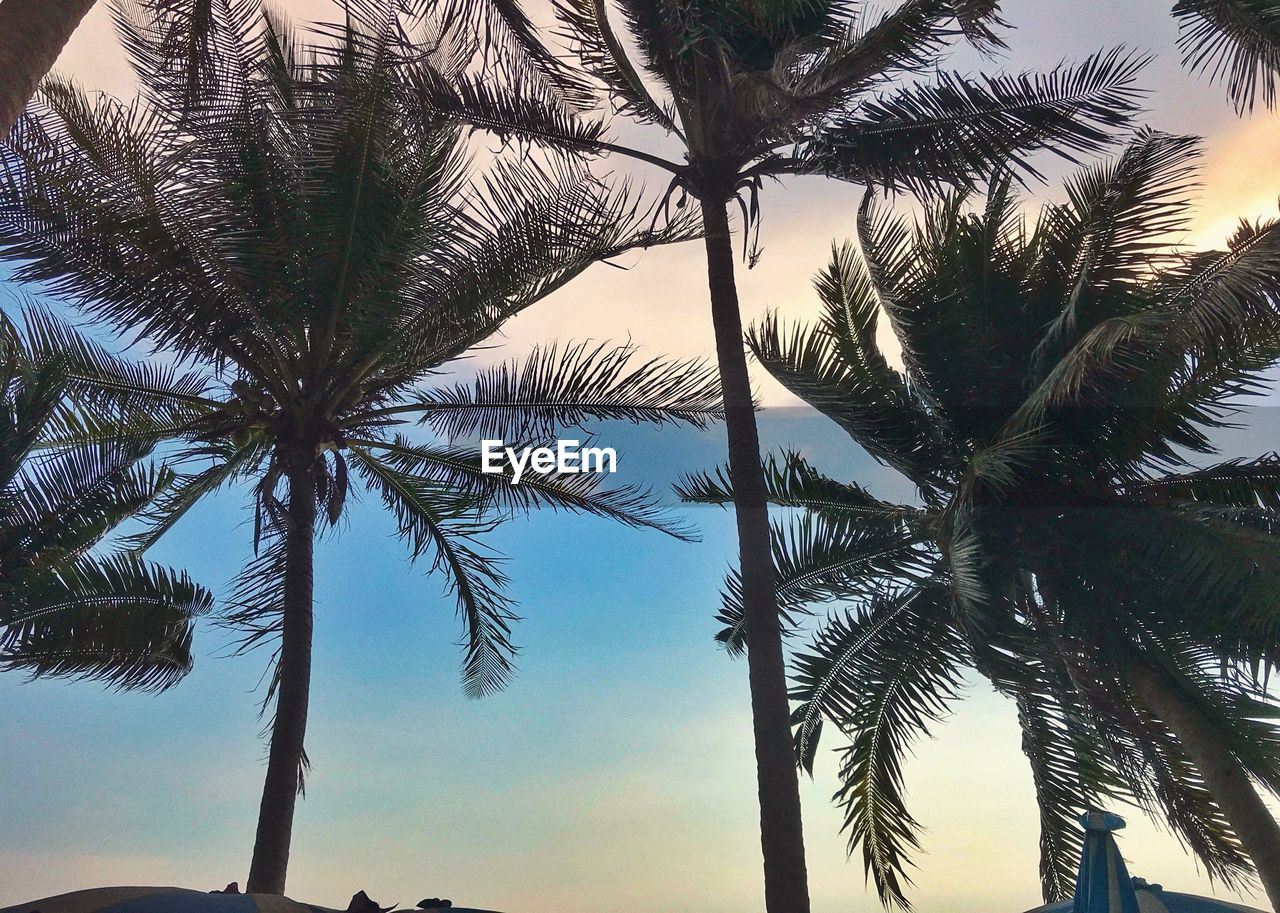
[[615, 774]]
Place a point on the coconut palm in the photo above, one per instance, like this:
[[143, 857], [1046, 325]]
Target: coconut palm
[[1236, 42], [756, 90], [1075, 541], [63, 610], [32, 35], [304, 247]]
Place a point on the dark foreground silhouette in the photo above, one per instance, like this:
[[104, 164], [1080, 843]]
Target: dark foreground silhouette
[[228, 900]]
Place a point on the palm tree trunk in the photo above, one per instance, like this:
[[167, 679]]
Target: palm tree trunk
[[1223, 775], [786, 884], [32, 35], [288, 729]]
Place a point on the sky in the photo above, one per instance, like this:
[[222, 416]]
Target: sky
[[616, 770]]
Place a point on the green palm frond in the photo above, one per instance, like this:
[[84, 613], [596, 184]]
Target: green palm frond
[[31, 401], [519, 112], [1236, 42], [63, 610], [821, 558], [899, 42], [1237, 706], [495, 492], [1120, 219], [105, 382], [188, 489], [67, 503], [978, 19], [884, 676], [509, 41], [1223, 585], [185, 51], [1240, 482], [1177, 795], [434, 522], [954, 128], [1221, 315], [1070, 770], [873, 405], [557, 388], [790, 481], [600, 50], [525, 232], [254, 609], [1234, 290], [116, 620]]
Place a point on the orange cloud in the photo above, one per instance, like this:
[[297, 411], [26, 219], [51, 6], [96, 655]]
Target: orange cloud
[[1241, 179]]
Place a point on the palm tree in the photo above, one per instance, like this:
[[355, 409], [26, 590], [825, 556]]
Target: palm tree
[[753, 90], [1235, 41], [63, 611], [305, 248], [1061, 382], [32, 35]]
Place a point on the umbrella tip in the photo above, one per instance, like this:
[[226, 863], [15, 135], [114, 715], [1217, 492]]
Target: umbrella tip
[[1101, 821]]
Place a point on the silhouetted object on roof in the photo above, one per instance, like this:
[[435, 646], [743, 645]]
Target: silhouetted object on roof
[[434, 903], [363, 903], [233, 888], [1104, 885]]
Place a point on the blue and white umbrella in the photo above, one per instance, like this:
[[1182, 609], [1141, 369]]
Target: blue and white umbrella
[[1104, 885]]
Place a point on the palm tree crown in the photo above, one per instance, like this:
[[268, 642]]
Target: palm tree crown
[[755, 89], [278, 217], [310, 242], [1061, 380]]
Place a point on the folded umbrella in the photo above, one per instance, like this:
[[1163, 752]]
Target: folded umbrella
[[1103, 884]]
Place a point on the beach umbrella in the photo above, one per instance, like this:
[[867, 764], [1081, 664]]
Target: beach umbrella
[[181, 900], [1103, 884]]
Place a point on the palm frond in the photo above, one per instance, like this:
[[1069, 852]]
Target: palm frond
[[1122, 216], [791, 481], [601, 53], [510, 112], [495, 491], [510, 44], [105, 382], [1240, 482], [435, 521], [189, 489], [884, 677], [901, 41], [68, 502], [1233, 41], [1069, 768], [871, 404], [559, 388], [115, 620], [955, 127], [821, 558]]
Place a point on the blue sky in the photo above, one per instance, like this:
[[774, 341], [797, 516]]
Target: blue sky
[[616, 770]]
